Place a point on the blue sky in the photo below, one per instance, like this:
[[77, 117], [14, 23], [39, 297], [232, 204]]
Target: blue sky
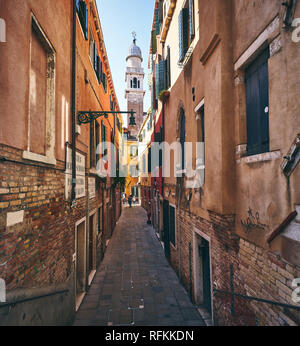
[[119, 18]]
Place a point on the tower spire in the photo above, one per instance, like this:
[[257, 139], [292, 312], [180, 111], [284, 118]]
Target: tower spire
[[134, 36]]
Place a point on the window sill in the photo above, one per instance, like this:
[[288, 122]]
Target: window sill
[[27, 155], [269, 156]]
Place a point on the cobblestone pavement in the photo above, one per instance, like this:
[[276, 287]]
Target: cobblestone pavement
[[134, 284]]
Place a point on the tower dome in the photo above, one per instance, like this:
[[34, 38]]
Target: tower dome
[[134, 51]]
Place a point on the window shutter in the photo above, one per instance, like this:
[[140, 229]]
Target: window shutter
[[168, 67], [160, 12], [98, 68], [162, 75], [95, 56], [104, 81], [157, 26], [149, 160], [86, 31], [191, 19], [183, 33], [257, 101], [182, 139], [77, 5], [153, 42], [156, 81]]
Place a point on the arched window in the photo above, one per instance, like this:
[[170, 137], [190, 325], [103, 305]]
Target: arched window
[[182, 137], [131, 84], [139, 84], [134, 82]]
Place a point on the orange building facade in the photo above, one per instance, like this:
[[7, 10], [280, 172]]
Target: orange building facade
[[56, 214]]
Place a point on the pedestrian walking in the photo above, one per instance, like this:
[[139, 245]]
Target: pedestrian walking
[[130, 201]]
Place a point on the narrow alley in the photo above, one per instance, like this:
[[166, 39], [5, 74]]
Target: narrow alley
[[135, 285]]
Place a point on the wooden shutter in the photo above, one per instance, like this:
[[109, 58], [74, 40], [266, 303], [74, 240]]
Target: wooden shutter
[[92, 144], [160, 12], [191, 19], [95, 56], [157, 24], [86, 31], [97, 130], [162, 75], [166, 228], [99, 68], [156, 81], [153, 42], [168, 67], [149, 161], [257, 105], [183, 33]]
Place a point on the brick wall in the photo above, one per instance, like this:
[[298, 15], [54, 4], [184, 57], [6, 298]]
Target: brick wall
[[257, 272]]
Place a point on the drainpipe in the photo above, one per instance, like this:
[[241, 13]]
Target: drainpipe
[[73, 191], [87, 239]]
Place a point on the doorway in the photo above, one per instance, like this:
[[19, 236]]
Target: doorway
[[80, 262], [92, 247], [202, 272], [166, 228]]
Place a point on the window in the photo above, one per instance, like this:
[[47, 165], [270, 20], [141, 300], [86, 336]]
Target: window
[[168, 68], [104, 82], [82, 11], [134, 83], [172, 226], [200, 162], [41, 109], [182, 138], [158, 17], [94, 142], [103, 137], [160, 77], [91, 46], [144, 164], [257, 104], [186, 22], [133, 150]]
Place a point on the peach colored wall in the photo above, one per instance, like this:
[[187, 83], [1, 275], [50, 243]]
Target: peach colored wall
[[14, 82]]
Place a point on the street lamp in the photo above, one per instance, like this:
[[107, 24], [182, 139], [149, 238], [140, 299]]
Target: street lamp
[[86, 117]]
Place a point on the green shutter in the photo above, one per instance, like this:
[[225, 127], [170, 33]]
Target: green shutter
[[104, 81], [86, 31], [156, 81], [191, 19], [183, 33], [168, 68], [160, 12], [153, 42], [98, 68], [162, 75], [95, 56], [157, 24]]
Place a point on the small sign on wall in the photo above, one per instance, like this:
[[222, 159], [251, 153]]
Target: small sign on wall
[[80, 175], [92, 187]]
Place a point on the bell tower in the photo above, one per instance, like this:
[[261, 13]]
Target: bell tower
[[134, 92]]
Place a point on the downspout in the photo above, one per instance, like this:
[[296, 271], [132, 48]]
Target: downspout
[[73, 191]]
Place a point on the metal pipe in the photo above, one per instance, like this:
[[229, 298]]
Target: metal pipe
[[33, 298], [259, 299], [73, 191]]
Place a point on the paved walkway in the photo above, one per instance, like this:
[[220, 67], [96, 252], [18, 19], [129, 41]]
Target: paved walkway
[[134, 284]]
